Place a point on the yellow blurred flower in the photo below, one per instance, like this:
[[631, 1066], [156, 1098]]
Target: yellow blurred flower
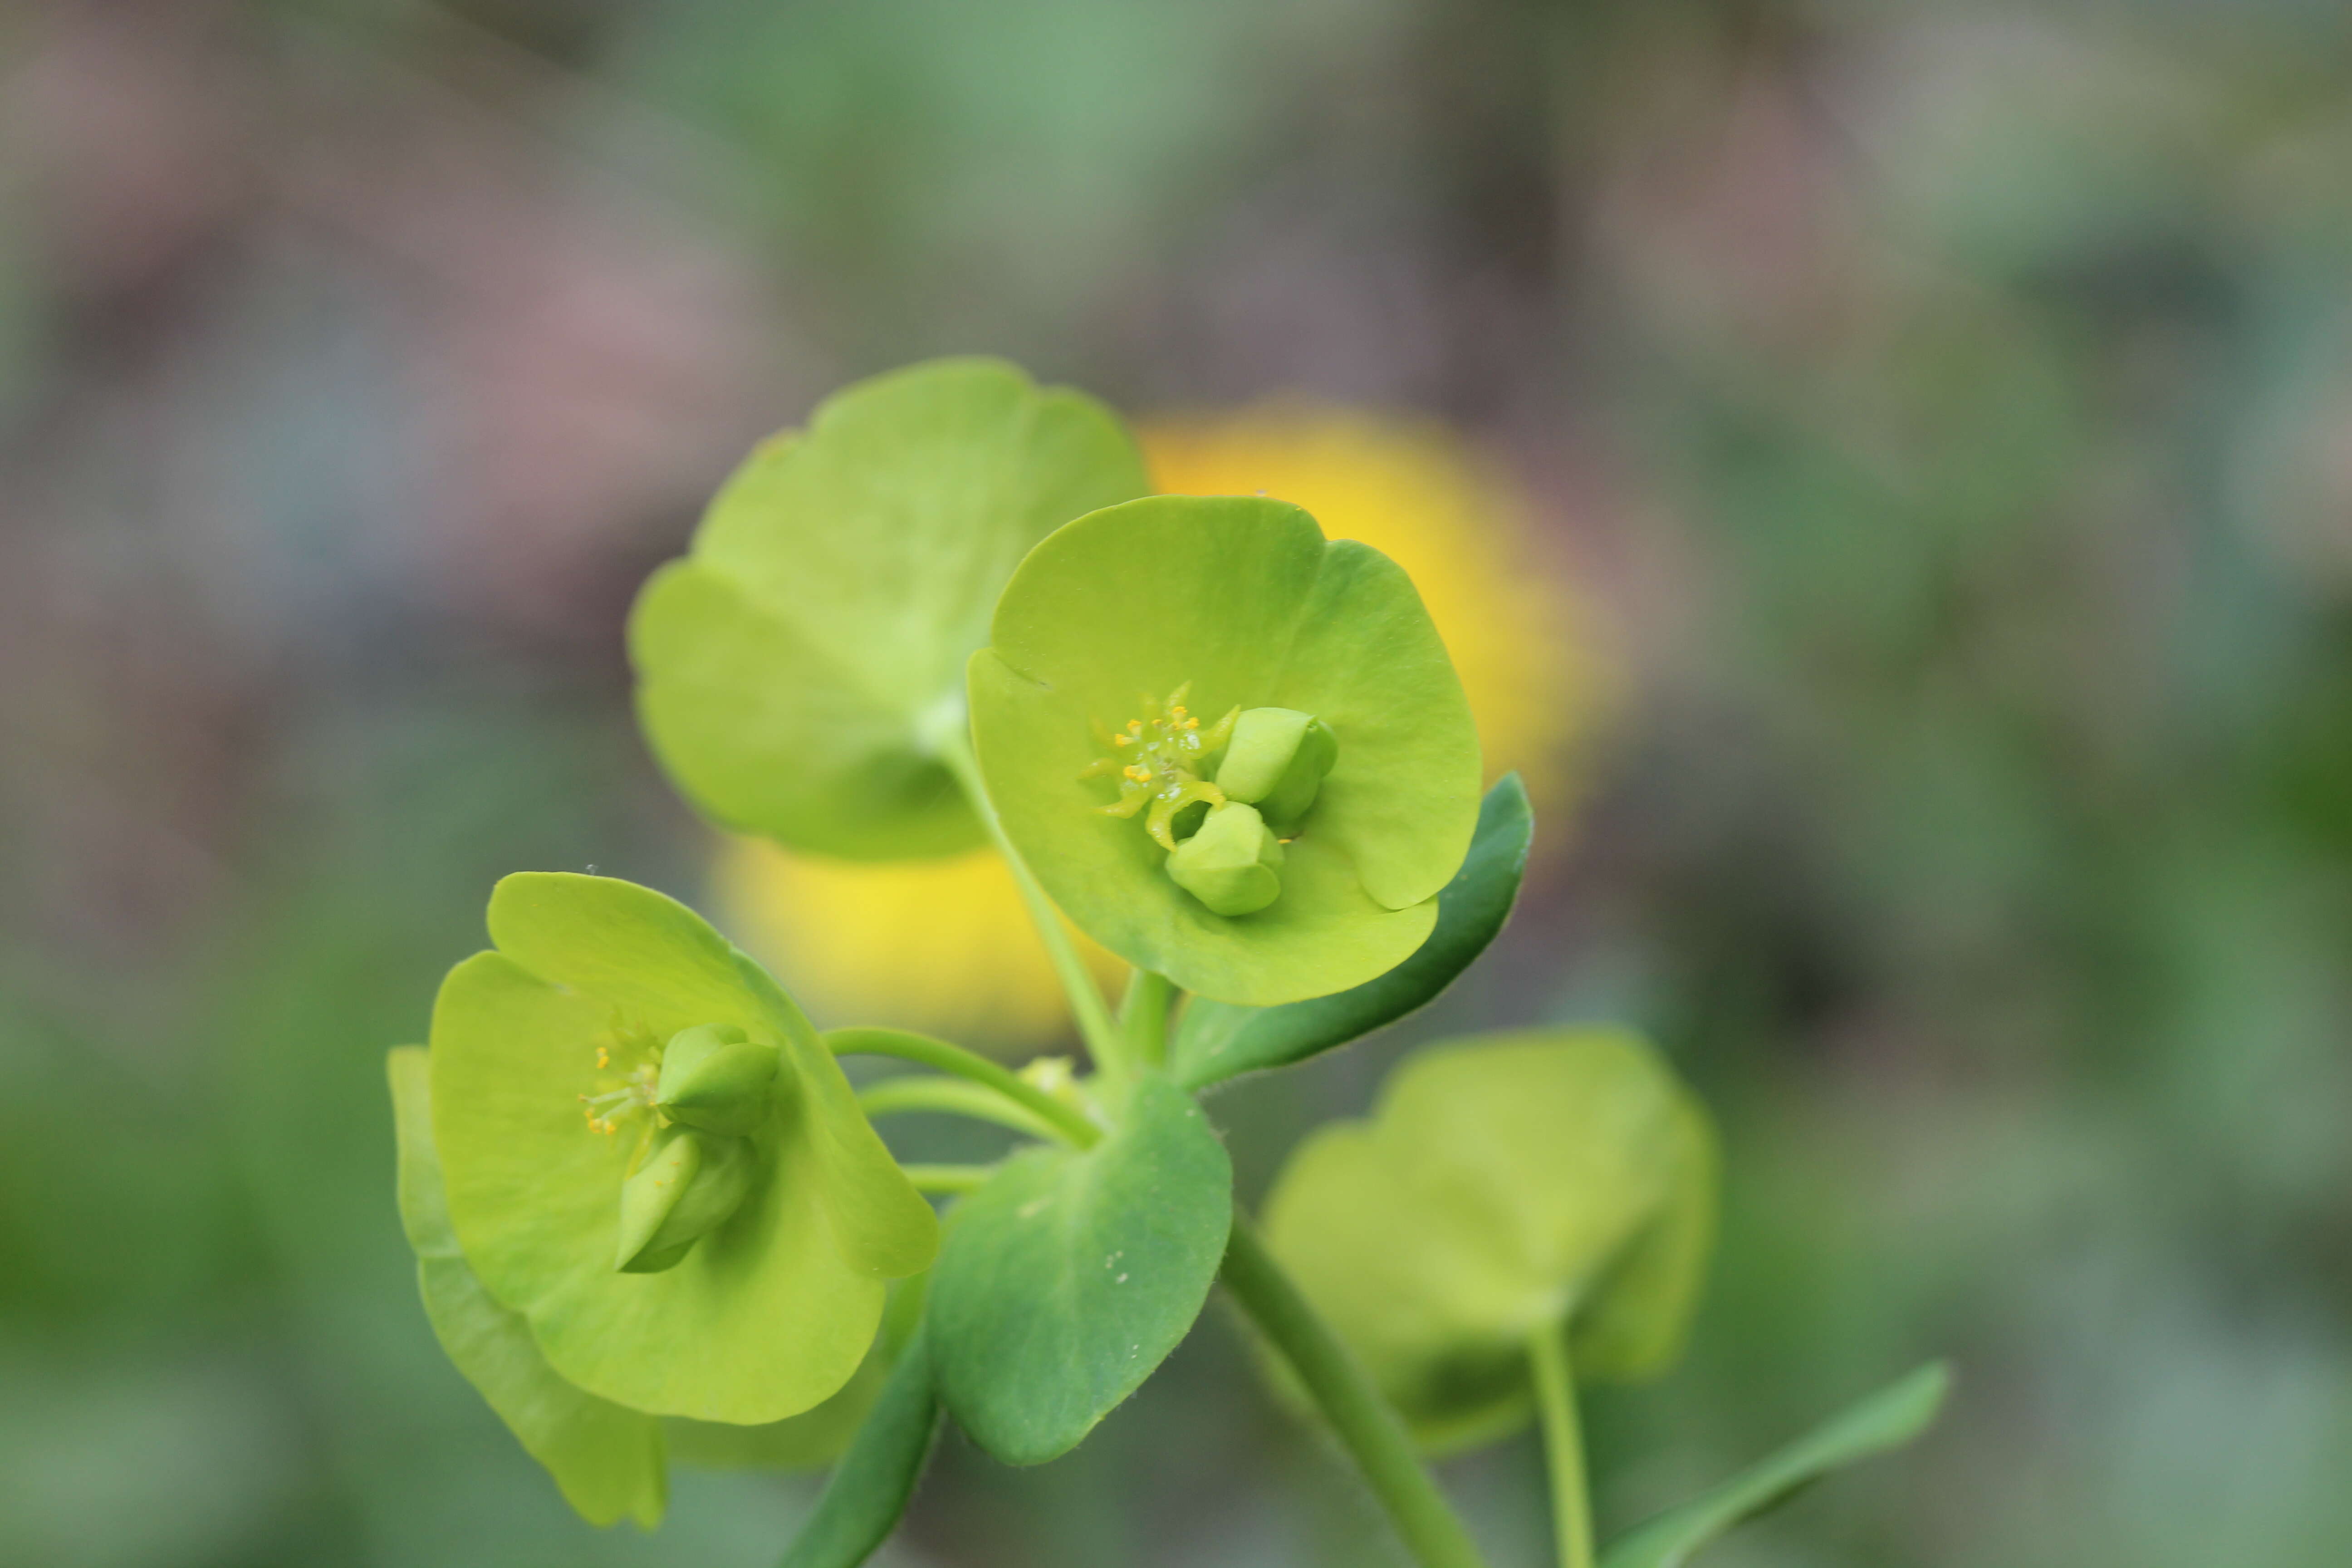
[[945, 945], [942, 946]]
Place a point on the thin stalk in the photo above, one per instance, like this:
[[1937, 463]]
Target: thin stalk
[[948, 1178], [1104, 1041], [922, 1092], [1572, 1501], [1366, 1425], [1062, 1117], [1144, 1015]]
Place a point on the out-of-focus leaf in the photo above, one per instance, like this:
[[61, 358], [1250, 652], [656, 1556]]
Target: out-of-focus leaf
[[1886, 1419], [1218, 1040], [1072, 1274], [1505, 1184], [794, 670]]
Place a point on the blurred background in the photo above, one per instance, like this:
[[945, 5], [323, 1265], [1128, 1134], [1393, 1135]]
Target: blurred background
[[1910, 447]]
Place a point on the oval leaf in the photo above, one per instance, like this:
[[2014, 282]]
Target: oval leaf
[[1072, 1274], [1218, 1040], [871, 1487], [1886, 1419], [792, 669]]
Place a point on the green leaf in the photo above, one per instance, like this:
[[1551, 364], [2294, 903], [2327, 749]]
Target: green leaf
[[796, 668], [1218, 1040], [1884, 1420], [1071, 1275], [1245, 600], [876, 1479], [1505, 1183], [607, 1458], [768, 1315]]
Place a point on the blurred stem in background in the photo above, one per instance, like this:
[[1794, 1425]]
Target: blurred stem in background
[[1563, 1441]]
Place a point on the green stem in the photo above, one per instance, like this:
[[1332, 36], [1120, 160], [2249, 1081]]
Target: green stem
[[1104, 1041], [948, 1178], [922, 1092], [908, 1046], [1366, 1425], [1144, 1015], [1571, 1502]]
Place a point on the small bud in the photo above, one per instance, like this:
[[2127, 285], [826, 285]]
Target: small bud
[[1275, 762], [1230, 864], [688, 1185], [716, 1078]]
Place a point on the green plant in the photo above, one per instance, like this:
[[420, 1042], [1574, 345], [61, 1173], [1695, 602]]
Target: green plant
[[651, 1217]]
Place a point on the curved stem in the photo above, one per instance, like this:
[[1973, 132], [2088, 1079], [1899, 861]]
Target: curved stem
[[1371, 1430], [1144, 1017], [948, 1178], [922, 1092], [908, 1046], [1104, 1041], [1571, 1502]]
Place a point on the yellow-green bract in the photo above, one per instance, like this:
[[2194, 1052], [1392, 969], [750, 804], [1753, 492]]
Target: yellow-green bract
[[1506, 1185], [609, 1461], [763, 1317], [796, 670], [1240, 603]]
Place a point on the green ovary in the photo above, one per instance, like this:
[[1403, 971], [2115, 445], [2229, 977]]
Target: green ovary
[[1225, 835], [702, 1094]]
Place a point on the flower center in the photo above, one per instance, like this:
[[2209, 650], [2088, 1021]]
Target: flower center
[[1158, 760], [704, 1094], [629, 1071], [1224, 837]]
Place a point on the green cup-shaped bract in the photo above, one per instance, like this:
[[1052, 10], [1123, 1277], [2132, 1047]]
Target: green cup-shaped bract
[[713, 1077], [770, 1312], [1506, 1185], [1233, 864], [796, 670], [1275, 762], [1243, 598], [607, 1458]]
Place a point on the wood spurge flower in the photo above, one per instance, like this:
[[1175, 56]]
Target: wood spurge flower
[[716, 1241], [1349, 728]]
